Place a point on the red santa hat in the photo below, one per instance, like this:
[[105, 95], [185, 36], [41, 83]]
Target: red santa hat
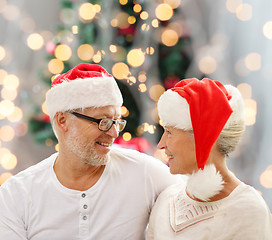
[[86, 85], [205, 107]]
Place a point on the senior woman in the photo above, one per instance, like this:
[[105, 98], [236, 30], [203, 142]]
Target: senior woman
[[203, 123]]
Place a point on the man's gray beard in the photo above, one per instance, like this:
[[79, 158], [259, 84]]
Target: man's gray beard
[[86, 153], [95, 160]]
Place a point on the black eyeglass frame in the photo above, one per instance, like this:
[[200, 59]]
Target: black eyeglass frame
[[116, 122]]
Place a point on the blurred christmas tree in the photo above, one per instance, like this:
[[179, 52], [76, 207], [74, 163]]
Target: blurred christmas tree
[[144, 44]]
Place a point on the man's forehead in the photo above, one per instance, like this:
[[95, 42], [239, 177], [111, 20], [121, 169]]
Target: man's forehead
[[107, 111]]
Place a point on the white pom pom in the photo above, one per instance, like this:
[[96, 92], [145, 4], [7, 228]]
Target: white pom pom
[[205, 183]]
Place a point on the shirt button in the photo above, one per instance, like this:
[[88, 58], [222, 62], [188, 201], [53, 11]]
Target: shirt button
[[85, 206], [84, 217], [83, 195]]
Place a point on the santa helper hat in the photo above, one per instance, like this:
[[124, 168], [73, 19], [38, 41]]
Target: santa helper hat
[[86, 85], [205, 107]]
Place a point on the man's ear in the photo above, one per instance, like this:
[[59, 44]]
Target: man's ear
[[61, 121]]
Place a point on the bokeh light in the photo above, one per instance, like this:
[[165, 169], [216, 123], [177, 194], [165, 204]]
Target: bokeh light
[[87, 12], [253, 61], [169, 37], [267, 30], [131, 19], [144, 15], [207, 64], [173, 3], [27, 24], [232, 5], [122, 20], [124, 111], [137, 8], [142, 76], [85, 52], [135, 57], [250, 111], [244, 12], [155, 23], [63, 52], [123, 2], [35, 41], [9, 161], [16, 115], [11, 82], [75, 29], [6, 133], [120, 70], [55, 66], [3, 75], [142, 88], [131, 80], [4, 177], [245, 90], [2, 53], [150, 50], [11, 12], [44, 108], [8, 94], [266, 177], [97, 57], [127, 136], [156, 91], [6, 107], [164, 12]]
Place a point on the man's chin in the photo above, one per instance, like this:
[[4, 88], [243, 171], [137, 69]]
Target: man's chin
[[98, 160]]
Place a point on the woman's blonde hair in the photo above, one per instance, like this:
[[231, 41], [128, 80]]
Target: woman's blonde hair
[[230, 137]]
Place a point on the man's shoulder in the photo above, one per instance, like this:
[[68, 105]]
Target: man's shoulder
[[31, 172]]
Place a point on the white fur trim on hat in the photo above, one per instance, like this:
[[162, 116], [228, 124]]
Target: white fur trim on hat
[[174, 110], [83, 93], [206, 183]]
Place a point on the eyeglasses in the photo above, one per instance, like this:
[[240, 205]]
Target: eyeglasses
[[104, 124]]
